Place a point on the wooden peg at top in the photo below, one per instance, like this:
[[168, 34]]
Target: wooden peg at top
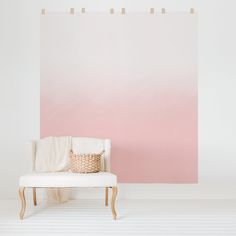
[[83, 10], [152, 10], [122, 11], [43, 11], [163, 10], [191, 10], [72, 11], [112, 11]]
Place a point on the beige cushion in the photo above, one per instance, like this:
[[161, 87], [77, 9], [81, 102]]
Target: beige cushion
[[68, 179]]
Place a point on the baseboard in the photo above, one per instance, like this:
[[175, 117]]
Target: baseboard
[[160, 191], [147, 191]]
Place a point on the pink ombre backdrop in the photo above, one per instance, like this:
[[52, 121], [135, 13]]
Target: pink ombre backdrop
[[131, 78]]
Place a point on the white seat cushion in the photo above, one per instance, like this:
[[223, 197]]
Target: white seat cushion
[[68, 179]]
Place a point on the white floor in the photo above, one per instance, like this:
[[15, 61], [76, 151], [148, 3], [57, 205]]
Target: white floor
[[135, 217]]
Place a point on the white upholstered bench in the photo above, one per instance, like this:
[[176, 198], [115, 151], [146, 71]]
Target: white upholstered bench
[[103, 179]]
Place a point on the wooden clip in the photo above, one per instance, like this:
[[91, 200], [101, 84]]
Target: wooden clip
[[152, 10], [122, 11], [191, 10], [43, 12], [83, 10], [111, 11], [72, 11], [163, 10]]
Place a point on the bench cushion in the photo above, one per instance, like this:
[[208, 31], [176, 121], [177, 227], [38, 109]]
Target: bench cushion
[[68, 179]]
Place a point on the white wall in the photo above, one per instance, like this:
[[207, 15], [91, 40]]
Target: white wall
[[19, 93]]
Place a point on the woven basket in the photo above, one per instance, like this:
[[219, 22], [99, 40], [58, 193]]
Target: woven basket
[[85, 163]]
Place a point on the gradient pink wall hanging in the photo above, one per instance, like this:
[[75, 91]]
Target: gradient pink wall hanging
[[131, 78]]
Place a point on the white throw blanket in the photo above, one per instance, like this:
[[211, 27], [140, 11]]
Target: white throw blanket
[[52, 155]]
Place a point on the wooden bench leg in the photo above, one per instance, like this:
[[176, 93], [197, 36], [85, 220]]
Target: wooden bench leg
[[106, 196], [113, 200], [23, 202], [34, 196]]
